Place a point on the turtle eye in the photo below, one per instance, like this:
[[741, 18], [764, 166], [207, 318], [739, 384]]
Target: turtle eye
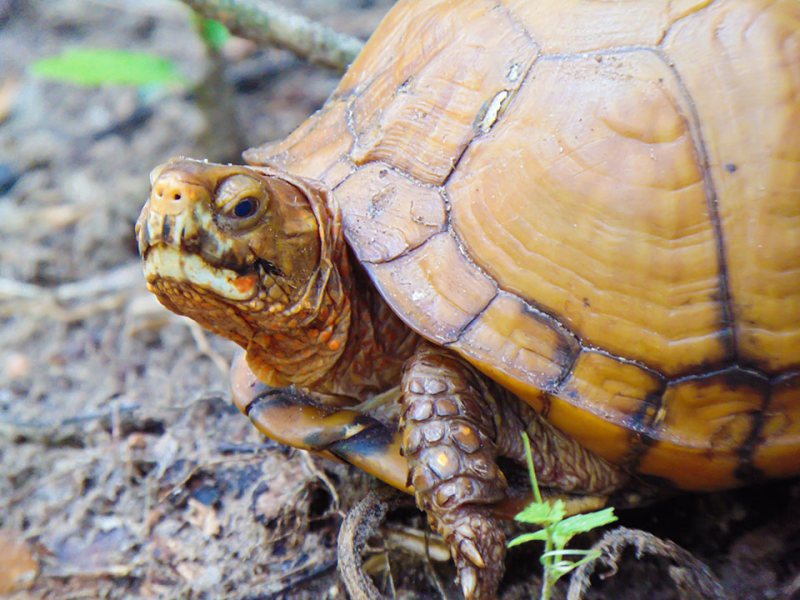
[[246, 207]]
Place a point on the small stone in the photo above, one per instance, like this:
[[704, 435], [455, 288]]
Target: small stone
[[17, 366], [18, 565], [8, 177]]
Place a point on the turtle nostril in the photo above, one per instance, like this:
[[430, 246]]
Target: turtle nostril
[[176, 197]]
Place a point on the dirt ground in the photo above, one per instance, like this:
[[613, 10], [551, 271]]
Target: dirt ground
[[125, 471]]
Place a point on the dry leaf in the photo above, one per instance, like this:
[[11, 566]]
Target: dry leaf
[[18, 565], [204, 517]]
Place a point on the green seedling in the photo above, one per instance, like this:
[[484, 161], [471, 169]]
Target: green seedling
[[556, 531], [214, 33], [95, 67]]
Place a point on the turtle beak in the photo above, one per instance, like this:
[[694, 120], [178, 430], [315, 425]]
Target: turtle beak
[[179, 240], [173, 196]]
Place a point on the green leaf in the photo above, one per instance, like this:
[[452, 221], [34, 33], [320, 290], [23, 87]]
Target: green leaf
[[568, 528], [214, 33], [95, 67], [537, 536], [542, 513]]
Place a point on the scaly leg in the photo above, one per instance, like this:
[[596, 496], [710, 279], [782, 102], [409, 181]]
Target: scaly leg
[[455, 423], [449, 437]]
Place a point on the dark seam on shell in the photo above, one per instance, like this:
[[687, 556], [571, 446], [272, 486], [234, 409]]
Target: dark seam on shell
[[688, 15], [643, 435], [727, 333]]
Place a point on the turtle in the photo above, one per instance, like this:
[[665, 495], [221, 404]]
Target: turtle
[[579, 220]]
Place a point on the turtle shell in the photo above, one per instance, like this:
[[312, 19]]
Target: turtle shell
[[597, 204]]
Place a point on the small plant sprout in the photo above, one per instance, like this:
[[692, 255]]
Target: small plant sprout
[[96, 66], [556, 531]]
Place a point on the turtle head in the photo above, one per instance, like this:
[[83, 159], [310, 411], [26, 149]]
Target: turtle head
[[239, 249]]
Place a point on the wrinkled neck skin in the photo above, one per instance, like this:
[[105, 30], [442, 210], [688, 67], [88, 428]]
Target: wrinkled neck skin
[[337, 338], [258, 256]]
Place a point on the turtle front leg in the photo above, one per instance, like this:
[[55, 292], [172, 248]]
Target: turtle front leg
[[455, 423], [292, 417], [448, 437]]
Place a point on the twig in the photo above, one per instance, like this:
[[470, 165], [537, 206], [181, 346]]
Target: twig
[[204, 347], [359, 524], [306, 574], [201, 468], [267, 23], [690, 575], [115, 280], [311, 465], [104, 571], [66, 431], [104, 292]]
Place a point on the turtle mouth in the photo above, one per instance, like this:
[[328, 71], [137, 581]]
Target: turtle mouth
[[192, 251], [162, 262]]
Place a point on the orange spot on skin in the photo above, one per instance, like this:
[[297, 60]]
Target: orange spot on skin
[[245, 283], [334, 345], [325, 335], [442, 459], [313, 333]]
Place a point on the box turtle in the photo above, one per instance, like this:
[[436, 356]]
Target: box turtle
[[574, 218]]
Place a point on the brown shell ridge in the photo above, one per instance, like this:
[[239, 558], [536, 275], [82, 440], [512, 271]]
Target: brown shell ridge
[[728, 334], [690, 13], [687, 12], [727, 321], [556, 56], [548, 319], [513, 94], [675, 22], [746, 471], [552, 316], [552, 320], [404, 174], [643, 433], [751, 372], [393, 168], [626, 361], [784, 377]]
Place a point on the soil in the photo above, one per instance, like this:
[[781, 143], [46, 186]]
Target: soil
[[125, 471]]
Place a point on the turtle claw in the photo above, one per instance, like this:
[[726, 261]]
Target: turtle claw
[[478, 545], [470, 550], [469, 582]]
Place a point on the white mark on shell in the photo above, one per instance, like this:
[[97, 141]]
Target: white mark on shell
[[493, 111], [513, 73]]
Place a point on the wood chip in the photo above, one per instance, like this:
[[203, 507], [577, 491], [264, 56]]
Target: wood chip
[[18, 565]]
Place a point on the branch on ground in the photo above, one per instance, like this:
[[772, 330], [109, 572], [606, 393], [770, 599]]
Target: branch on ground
[[692, 577], [266, 23]]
